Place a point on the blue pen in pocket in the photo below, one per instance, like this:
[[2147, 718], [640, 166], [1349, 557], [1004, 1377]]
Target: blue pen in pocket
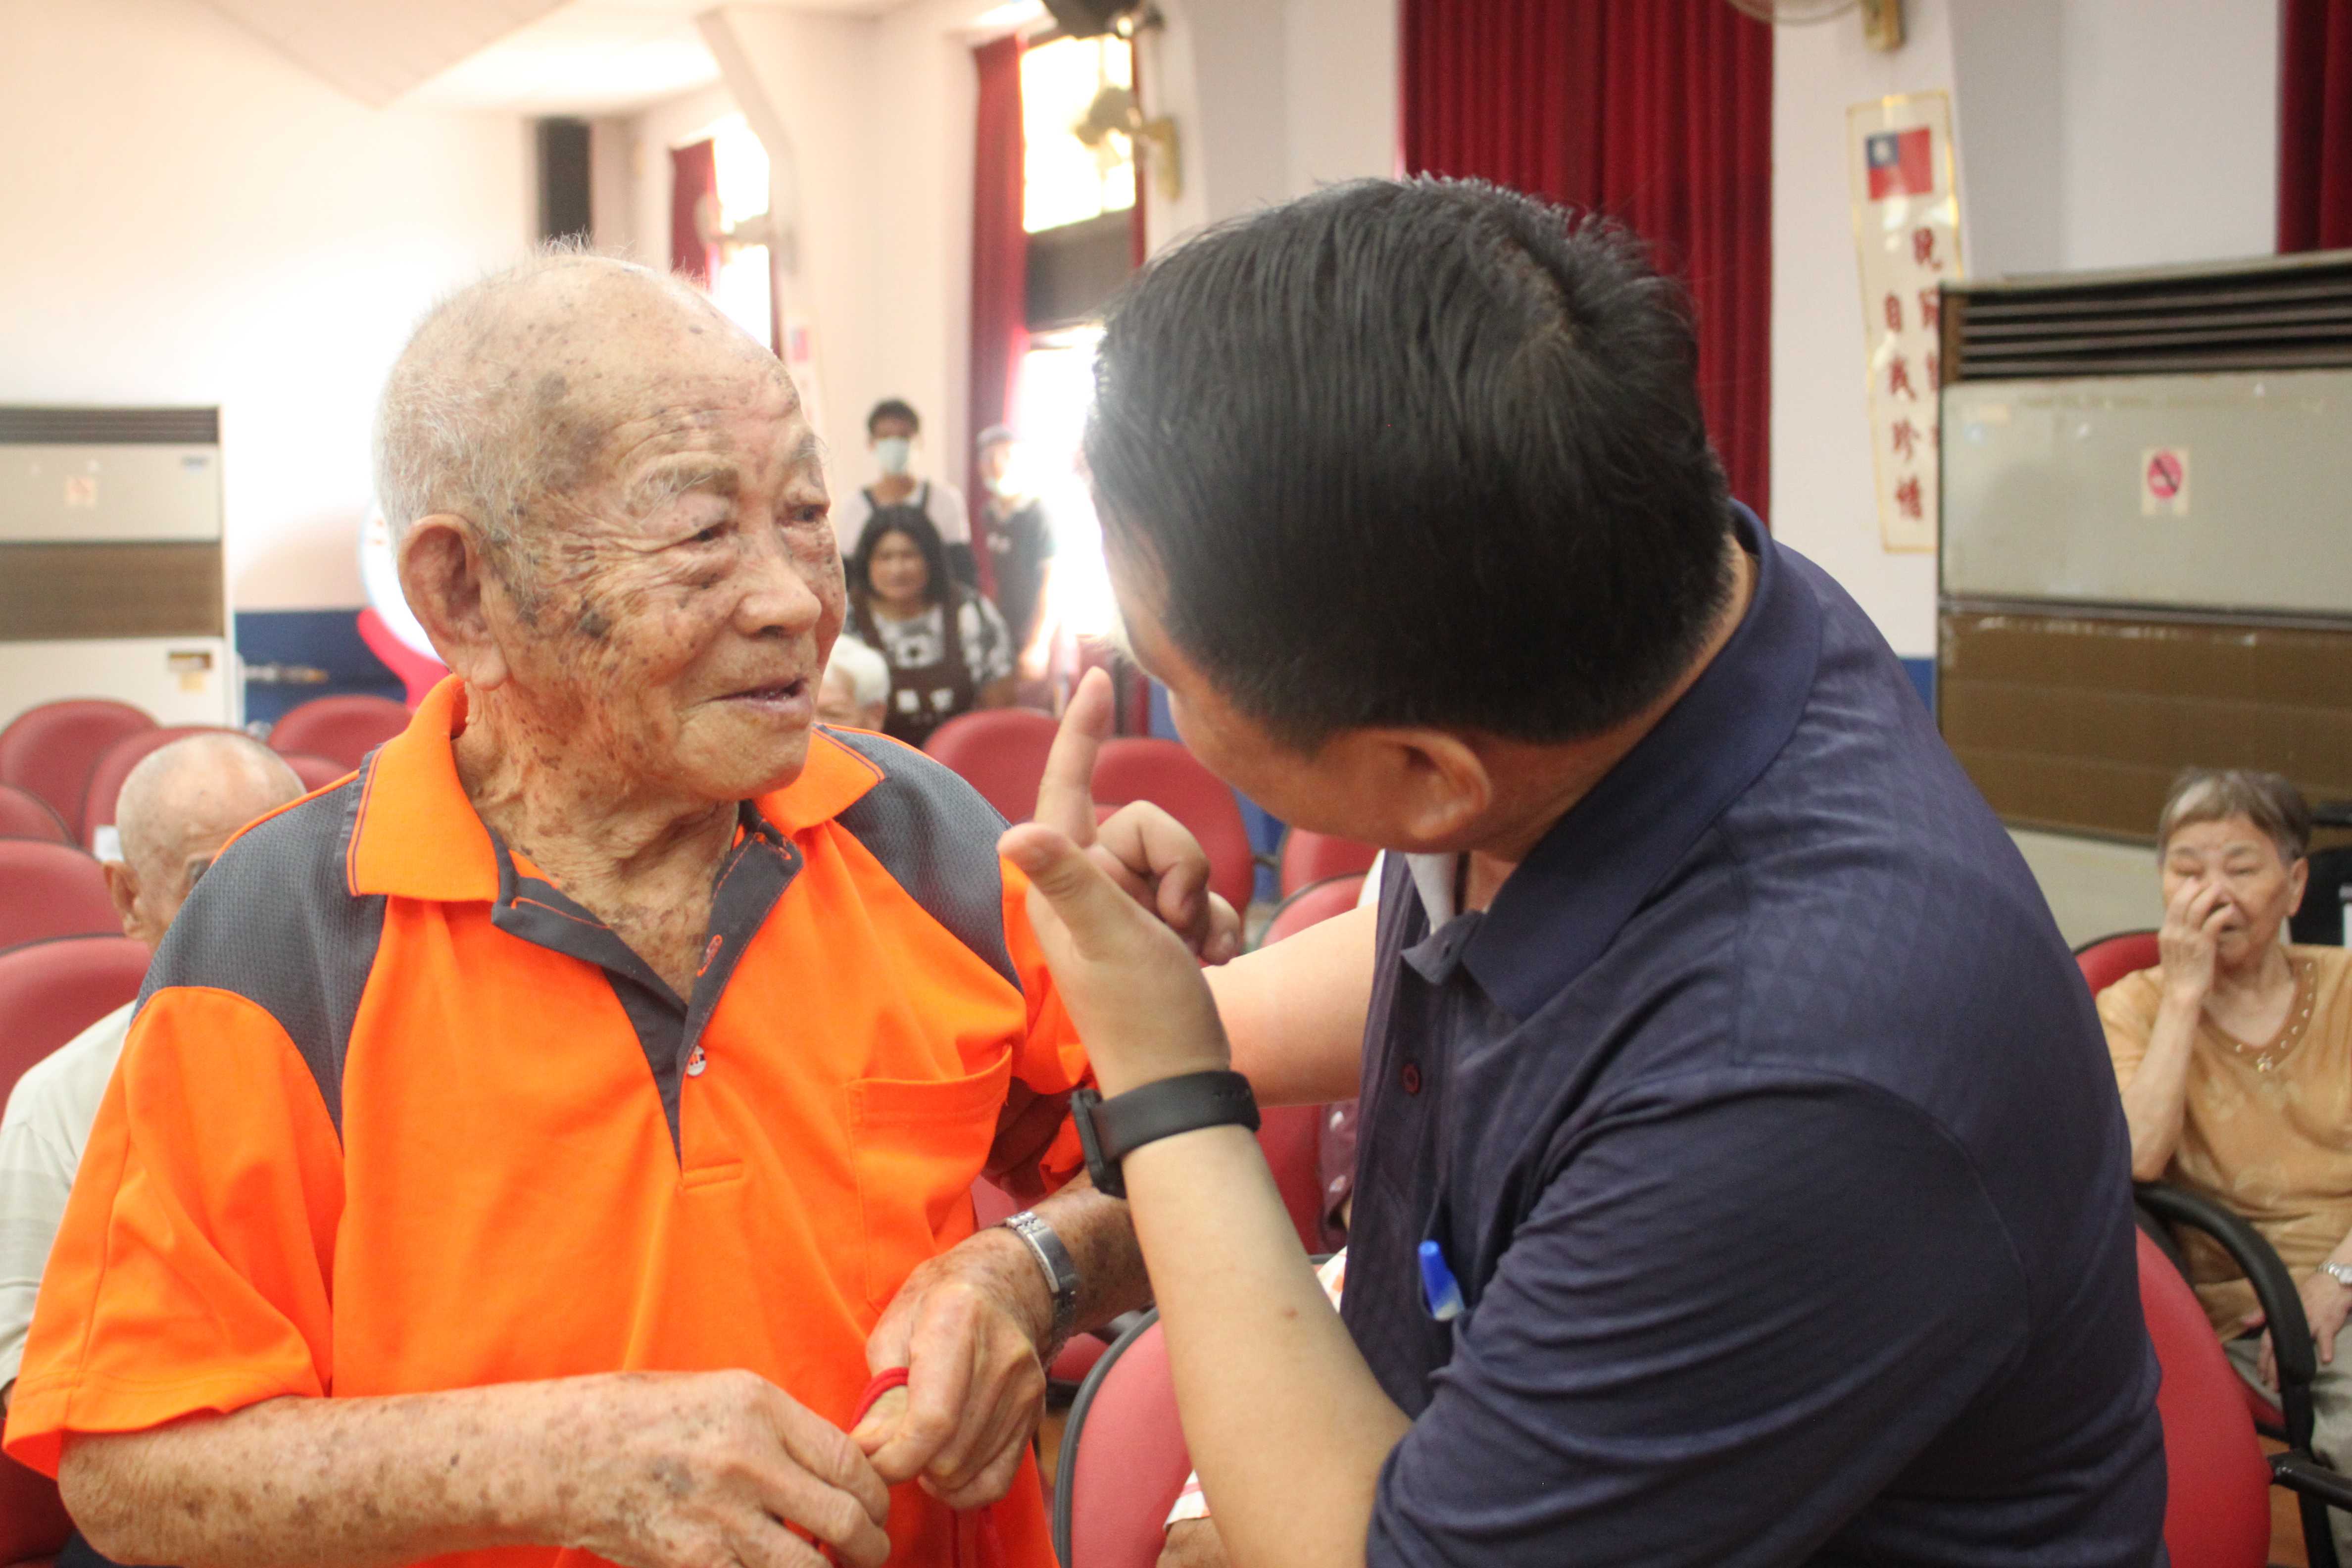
[[1439, 1288]]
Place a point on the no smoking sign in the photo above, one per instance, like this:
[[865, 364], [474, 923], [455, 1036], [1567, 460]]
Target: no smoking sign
[[2164, 481]]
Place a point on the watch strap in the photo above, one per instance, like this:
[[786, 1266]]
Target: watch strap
[[1110, 1129], [1060, 1269]]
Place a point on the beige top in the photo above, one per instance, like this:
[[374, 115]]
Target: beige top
[[2271, 1143]]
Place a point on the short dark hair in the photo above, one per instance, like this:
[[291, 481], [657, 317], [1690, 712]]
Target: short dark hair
[[1419, 452], [893, 408], [911, 521]]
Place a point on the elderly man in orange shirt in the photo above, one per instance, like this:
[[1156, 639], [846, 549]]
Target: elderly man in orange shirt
[[536, 1141]]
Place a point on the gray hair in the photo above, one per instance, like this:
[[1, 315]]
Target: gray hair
[[153, 791], [867, 672], [2216, 795], [464, 423]]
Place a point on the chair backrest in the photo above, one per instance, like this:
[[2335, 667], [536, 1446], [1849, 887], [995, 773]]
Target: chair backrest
[[1311, 856], [1133, 768], [1312, 905], [2216, 1507], [342, 728], [1001, 753], [33, 1522], [51, 889], [314, 771], [418, 673], [1123, 1459], [52, 990], [24, 814], [51, 749], [2110, 958], [2318, 920], [114, 765]]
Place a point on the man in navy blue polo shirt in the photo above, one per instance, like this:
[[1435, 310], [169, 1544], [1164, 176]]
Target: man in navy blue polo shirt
[[1721, 1053]]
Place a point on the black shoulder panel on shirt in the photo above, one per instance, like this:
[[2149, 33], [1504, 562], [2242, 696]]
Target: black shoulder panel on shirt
[[937, 835], [275, 922]]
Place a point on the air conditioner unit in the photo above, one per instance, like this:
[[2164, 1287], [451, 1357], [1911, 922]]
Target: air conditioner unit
[[112, 582]]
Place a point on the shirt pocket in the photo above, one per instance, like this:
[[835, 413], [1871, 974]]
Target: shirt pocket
[[917, 1146]]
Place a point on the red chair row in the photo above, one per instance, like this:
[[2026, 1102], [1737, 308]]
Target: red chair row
[[72, 757], [49, 890], [1002, 752]]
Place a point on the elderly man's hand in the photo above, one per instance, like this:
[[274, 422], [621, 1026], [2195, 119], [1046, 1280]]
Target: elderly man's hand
[[1153, 858], [969, 1327], [681, 1470]]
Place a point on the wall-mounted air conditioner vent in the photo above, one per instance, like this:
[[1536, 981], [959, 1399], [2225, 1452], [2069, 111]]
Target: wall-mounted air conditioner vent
[[58, 426], [2287, 313]]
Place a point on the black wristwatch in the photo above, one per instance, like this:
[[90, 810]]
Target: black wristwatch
[[1110, 1129]]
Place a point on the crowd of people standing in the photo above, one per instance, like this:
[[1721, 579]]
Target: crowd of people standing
[[954, 634]]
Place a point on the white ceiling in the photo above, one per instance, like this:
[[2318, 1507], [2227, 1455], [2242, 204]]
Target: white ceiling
[[528, 56]]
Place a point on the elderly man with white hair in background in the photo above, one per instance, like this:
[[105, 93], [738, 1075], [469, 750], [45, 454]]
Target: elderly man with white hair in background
[[557, 1138], [177, 808]]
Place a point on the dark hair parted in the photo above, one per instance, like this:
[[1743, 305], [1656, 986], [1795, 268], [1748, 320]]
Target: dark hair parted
[[1422, 452], [925, 535], [893, 408]]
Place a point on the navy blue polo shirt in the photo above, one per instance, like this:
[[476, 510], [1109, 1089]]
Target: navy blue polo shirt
[[1766, 1123]]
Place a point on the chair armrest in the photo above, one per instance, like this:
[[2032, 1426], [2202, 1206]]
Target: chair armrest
[[2306, 1477], [2275, 1292]]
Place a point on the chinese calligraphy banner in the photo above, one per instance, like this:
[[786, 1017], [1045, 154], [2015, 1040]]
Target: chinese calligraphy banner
[[1906, 223]]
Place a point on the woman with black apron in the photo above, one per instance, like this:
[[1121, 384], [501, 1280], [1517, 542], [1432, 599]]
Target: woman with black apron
[[946, 647]]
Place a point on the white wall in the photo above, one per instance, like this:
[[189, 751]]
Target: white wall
[[2090, 133], [189, 217]]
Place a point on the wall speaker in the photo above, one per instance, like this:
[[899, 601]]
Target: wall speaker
[[1086, 18]]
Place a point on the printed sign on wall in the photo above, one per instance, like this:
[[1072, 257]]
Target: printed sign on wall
[[1907, 225]]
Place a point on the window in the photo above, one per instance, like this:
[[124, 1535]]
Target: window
[[742, 287], [1049, 408], [1063, 180]]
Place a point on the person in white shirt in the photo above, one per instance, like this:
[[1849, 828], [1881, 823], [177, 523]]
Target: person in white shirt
[[892, 431], [176, 809]]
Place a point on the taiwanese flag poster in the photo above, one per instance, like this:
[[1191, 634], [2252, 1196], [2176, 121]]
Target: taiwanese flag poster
[[1906, 227], [1900, 164]]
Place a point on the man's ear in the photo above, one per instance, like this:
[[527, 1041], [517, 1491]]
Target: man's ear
[[442, 576], [1426, 786], [122, 888]]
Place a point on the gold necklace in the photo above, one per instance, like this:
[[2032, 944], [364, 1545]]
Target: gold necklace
[[2264, 1059]]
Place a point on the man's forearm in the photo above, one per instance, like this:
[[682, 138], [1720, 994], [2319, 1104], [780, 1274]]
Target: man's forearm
[[351, 1481], [1100, 1235]]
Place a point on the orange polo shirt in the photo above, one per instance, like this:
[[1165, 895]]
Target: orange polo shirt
[[396, 1115]]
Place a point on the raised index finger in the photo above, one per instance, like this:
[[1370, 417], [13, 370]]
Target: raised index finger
[[1066, 794]]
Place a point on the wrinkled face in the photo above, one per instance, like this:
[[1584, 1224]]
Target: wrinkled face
[[2258, 888], [896, 572], [692, 588]]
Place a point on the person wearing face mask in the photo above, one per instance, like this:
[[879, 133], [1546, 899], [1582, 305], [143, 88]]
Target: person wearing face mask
[[892, 430], [2234, 1055]]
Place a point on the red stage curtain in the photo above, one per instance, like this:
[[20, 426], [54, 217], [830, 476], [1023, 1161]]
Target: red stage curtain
[[2315, 125], [693, 175], [1000, 263], [1658, 112]]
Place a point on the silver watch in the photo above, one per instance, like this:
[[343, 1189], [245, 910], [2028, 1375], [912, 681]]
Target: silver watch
[[2339, 1273], [1061, 1273]]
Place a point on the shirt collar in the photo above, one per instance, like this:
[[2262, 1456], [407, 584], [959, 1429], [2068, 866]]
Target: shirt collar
[[1565, 903], [413, 834]]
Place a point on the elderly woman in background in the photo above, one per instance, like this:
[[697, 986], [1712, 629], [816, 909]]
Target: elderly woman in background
[[2234, 1055]]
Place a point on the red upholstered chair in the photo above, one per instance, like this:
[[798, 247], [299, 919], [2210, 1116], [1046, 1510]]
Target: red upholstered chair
[[2216, 1508], [114, 765], [24, 814], [1134, 768], [342, 729], [419, 673], [51, 749], [2110, 958], [1123, 1459], [1312, 905], [33, 1522], [315, 771], [1001, 753], [51, 991], [1311, 856], [51, 889]]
